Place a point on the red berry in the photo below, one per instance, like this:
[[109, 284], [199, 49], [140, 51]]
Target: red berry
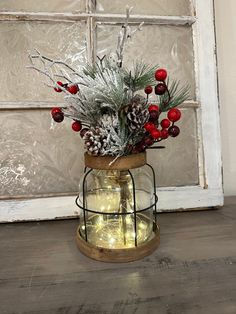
[[76, 126], [174, 114], [54, 110], [160, 89], [149, 126], [161, 75], [83, 132], [164, 134], [57, 89], [148, 141], [140, 147], [148, 90], [153, 108], [130, 148], [156, 134], [153, 116], [73, 89], [174, 131], [134, 150], [165, 123], [58, 116]]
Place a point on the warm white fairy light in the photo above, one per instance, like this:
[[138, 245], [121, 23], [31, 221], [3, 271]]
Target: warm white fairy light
[[108, 232], [142, 226], [115, 230]]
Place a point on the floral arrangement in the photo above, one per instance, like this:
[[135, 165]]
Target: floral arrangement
[[105, 104]]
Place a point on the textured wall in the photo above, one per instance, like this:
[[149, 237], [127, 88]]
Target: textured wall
[[226, 47]]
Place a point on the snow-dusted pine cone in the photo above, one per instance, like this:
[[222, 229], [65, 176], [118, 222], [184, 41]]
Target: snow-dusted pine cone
[[95, 141], [108, 121], [136, 115]]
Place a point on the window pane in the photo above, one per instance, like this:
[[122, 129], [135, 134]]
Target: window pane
[[64, 41], [36, 159], [170, 47], [177, 164], [42, 5], [153, 7]]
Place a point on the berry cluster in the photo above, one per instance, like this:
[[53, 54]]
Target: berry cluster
[[167, 125], [72, 88], [161, 87], [156, 130], [57, 113]]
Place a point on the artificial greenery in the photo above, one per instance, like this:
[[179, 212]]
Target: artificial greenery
[[106, 97]]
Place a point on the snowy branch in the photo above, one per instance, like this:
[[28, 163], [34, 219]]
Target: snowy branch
[[125, 34]]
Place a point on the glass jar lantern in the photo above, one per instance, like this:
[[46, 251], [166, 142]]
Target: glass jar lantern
[[118, 208]]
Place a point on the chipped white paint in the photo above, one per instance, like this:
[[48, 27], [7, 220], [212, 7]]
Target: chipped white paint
[[117, 18], [29, 104], [47, 104], [208, 95], [38, 209], [210, 191]]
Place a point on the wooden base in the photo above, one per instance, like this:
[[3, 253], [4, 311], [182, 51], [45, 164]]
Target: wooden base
[[119, 255]]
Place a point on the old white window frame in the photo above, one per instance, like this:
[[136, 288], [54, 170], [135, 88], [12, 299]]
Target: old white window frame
[[209, 192]]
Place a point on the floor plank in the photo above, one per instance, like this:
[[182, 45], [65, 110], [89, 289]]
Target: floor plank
[[193, 271]]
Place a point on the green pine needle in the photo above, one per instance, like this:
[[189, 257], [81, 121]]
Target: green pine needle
[[177, 96], [141, 76]]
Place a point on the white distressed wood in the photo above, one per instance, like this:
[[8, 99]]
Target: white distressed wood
[[188, 198], [38, 209], [208, 94], [201, 167], [147, 19], [170, 199], [5, 105], [118, 18]]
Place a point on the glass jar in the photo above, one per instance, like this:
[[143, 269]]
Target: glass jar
[[118, 203]]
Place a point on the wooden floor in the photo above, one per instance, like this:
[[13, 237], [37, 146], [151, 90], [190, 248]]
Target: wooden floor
[[193, 272]]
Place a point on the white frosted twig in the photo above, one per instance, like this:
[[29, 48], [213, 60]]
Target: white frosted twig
[[124, 35], [63, 76], [139, 28], [40, 71], [41, 58], [67, 76], [47, 70], [53, 62], [48, 85], [30, 59]]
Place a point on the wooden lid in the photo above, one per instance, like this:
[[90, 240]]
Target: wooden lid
[[121, 163]]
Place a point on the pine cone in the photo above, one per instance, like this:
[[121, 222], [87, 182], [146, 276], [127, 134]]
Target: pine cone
[[95, 141], [108, 121], [136, 116]]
